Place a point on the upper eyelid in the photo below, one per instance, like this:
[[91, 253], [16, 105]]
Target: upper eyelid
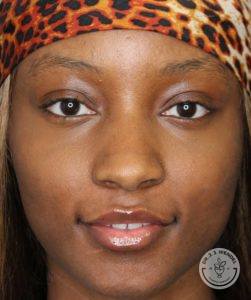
[[52, 101], [69, 93], [197, 96], [62, 100]]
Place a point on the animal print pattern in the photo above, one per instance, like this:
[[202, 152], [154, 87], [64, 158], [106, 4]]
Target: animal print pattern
[[219, 27]]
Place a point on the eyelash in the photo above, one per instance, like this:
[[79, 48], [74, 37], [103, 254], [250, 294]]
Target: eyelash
[[61, 100], [50, 103], [189, 119]]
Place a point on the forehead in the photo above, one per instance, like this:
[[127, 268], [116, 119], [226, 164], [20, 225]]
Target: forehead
[[122, 46], [123, 50]]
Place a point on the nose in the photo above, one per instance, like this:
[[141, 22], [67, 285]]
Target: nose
[[127, 160], [128, 171]]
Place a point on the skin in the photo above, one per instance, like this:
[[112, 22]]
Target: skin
[[125, 154]]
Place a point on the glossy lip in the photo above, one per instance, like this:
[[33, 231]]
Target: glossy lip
[[127, 239], [125, 217]]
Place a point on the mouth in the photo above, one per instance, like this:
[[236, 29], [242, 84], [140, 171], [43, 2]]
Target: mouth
[[115, 238], [120, 231]]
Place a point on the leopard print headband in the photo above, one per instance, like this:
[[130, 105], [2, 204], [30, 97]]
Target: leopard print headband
[[219, 27]]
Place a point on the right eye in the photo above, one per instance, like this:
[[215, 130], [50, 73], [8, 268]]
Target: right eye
[[67, 107]]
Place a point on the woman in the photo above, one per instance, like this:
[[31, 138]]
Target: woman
[[151, 130]]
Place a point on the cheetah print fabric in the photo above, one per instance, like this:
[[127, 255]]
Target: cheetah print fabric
[[219, 27]]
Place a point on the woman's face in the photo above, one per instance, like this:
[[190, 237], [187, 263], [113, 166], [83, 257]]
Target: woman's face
[[130, 145]]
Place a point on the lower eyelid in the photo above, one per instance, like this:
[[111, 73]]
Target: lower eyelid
[[66, 120]]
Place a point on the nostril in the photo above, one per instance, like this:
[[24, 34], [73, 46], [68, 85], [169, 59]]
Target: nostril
[[110, 184], [147, 183], [150, 182], [128, 173]]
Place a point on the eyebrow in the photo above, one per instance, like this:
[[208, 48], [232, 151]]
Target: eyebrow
[[48, 60], [196, 64], [178, 67]]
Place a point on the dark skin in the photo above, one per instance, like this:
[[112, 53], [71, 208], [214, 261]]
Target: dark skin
[[128, 148]]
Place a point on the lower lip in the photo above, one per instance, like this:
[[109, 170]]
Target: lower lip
[[125, 240]]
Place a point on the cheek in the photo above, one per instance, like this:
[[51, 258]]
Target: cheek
[[203, 180], [52, 180]]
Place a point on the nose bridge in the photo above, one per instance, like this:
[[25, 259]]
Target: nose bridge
[[128, 158]]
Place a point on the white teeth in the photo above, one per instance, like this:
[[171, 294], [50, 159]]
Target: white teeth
[[135, 225], [119, 226], [128, 226]]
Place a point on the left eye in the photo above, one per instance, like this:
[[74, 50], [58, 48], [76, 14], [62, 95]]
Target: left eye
[[68, 107], [187, 110]]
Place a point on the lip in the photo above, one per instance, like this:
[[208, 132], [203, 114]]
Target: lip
[[127, 239], [132, 216]]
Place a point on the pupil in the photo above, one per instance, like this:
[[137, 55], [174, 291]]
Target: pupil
[[69, 107], [186, 109]]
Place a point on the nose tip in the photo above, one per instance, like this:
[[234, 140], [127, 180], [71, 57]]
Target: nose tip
[[119, 171]]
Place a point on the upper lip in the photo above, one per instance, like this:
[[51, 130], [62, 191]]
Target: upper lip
[[125, 217]]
